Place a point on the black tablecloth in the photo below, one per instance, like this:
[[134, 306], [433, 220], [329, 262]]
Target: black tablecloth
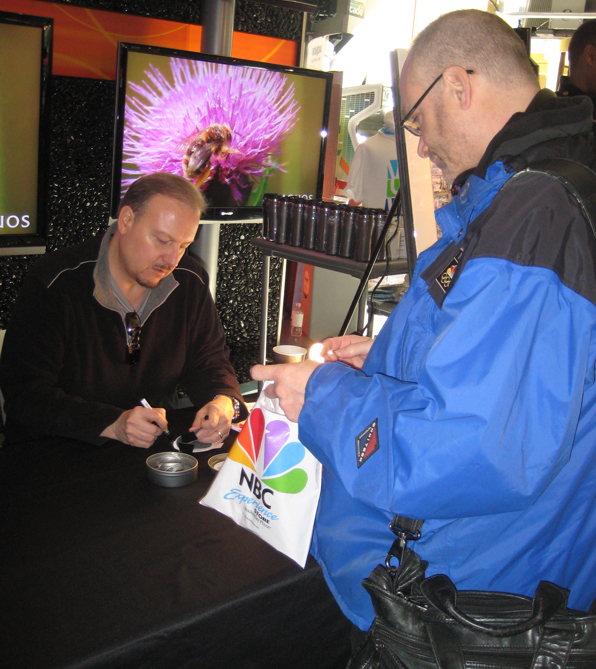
[[101, 568]]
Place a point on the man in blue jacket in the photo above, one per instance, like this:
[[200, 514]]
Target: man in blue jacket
[[475, 408]]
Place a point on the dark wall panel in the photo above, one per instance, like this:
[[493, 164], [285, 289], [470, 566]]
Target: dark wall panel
[[250, 17], [238, 298], [80, 159]]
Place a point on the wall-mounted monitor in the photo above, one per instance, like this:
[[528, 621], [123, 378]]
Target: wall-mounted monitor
[[237, 129], [25, 69]]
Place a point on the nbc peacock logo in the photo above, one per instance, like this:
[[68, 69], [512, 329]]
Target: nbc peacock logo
[[280, 457]]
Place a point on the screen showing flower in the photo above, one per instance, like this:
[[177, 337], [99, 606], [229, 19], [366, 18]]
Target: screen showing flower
[[227, 128]]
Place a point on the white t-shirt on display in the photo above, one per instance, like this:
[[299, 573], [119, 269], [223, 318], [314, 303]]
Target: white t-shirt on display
[[374, 177]]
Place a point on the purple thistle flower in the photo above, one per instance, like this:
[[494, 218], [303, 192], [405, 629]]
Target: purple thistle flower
[[169, 125]]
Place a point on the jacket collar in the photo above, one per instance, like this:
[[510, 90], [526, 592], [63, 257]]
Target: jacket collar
[[473, 197], [567, 89], [547, 119], [542, 131]]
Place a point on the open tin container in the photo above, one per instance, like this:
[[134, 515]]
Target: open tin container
[[216, 461], [172, 470]]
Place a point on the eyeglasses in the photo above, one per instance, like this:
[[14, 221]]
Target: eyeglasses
[[133, 337], [412, 126]]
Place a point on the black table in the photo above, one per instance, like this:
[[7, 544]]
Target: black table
[[101, 568]]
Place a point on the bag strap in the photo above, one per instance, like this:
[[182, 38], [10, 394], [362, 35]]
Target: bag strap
[[446, 646], [402, 525], [548, 599], [578, 179], [554, 647]]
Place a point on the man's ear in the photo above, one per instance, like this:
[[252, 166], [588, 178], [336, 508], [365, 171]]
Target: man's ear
[[458, 85], [126, 218], [590, 55]]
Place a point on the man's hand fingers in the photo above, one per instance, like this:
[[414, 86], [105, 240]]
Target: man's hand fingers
[[138, 427], [141, 438], [143, 426], [211, 417], [211, 423], [263, 372], [143, 417]]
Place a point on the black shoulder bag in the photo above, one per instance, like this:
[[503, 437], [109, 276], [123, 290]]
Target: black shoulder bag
[[426, 623]]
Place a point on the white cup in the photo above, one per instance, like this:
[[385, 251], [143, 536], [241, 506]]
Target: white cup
[[286, 353]]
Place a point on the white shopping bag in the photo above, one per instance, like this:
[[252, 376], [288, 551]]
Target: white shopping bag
[[270, 483]]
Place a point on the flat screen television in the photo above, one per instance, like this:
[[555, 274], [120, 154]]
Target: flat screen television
[[237, 129], [25, 69]]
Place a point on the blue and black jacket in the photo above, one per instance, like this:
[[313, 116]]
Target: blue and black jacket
[[476, 407]]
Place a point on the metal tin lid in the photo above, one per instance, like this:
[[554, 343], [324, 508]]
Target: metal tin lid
[[172, 470]]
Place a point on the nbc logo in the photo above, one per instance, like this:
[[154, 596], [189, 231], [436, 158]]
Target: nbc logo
[[280, 456]]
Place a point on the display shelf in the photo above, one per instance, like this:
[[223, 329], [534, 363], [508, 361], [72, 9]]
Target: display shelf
[[335, 263], [317, 259]]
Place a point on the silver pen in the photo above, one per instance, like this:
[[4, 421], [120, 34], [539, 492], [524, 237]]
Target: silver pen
[[148, 406]]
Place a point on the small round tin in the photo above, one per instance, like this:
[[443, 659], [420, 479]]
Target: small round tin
[[216, 461], [172, 470]]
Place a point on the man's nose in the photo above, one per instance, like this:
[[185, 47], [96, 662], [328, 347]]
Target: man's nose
[[172, 257], [422, 148]]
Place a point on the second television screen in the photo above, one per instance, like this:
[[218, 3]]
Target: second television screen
[[236, 130]]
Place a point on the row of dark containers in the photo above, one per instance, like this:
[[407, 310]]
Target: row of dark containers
[[327, 227]]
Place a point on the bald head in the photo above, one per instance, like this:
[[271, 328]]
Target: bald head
[[477, 41], [176, 187], [466, 75]]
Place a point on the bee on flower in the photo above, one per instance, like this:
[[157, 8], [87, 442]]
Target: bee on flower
[[220, 126]]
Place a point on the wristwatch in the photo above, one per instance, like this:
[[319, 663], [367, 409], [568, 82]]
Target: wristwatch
[[235, 404]]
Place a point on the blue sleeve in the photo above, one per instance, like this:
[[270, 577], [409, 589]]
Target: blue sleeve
[[477, 416]]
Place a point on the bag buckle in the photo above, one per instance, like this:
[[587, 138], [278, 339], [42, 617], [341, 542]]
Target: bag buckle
[[405, 529]]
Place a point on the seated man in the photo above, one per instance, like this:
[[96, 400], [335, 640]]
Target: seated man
[[119, 318], [475, 407]]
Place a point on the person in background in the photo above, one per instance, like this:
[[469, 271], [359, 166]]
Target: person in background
[[475, 407], [373, 180], [121, 317], [582, 64]]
